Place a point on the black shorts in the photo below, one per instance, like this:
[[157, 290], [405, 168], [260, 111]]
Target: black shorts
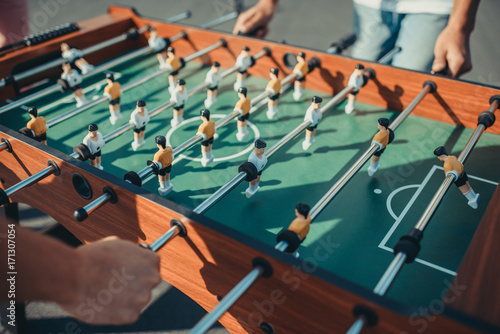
[[275, 97], [140, 129], [242, 71], [41, 137], [379, 153], [301, 79], [165, 171], [95, 155], [312, 128], [244, 117], [174, 72], [462, 180], [75, 60], [354, 93], [114, 102], [259, 173], [213, 88], [77, 87], [207, 142], [179, 107]]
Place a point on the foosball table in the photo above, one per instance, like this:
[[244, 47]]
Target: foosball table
[[227, 248]]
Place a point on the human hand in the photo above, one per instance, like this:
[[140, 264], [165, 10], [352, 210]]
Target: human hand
[[256, 19], [115, 282], [452, 53]]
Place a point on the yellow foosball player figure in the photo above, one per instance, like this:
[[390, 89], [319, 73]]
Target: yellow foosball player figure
[[297, 231], [258, 159], [244, 61], [274, 88], [71, 80], [95, 142], [159, 45], [179, 97], [213, 79], [36, 127], [243, 107], [139, 118], [313, 115], [357, 81], [112, 92], [163, 160], [75, 56], [207, 131], [382, 138], [453, 167], [173, 64], [301, 69]]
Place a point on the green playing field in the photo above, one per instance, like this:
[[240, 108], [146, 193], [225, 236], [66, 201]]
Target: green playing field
[[353, 237]]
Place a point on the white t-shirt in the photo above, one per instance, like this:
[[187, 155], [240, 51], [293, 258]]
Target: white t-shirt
[[243, 62], [355, 81], [179, 98], [94, 146], [137, 120], [313, 116], [72, 54], [259, 163], [157, 43], [442, 7], [213, 79], [72, 78]]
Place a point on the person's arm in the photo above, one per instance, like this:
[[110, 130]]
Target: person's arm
[[452, 49], [104, 282], [256, 19]]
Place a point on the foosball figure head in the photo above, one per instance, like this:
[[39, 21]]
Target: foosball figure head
[[302, 210], [301, 57], [161, 142], [215, 67], [65, 47], [441, 153], [359, 70], [181, 85], [260, 147], [141, 105], [383, 124], [170, 51], [33, 112], [245, 51], [66, 67], [110, 78], [242, 92], [93, 128], [205, 115], [316, 102], [274, 73]]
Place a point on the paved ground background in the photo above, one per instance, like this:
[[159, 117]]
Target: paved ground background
[[295, 22]]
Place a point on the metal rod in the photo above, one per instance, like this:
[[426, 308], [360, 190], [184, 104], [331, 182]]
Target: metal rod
[[59, 61], [221, 192], [398, 262], [357, 326], [211, 318], [3, 146], [281, 246], [145, 172], [54, 88], [97, 203], [219, 20], [128, 86], [178, 17], [161, 241], [30, 181], [226, 188], [387, 58], [342, 182]]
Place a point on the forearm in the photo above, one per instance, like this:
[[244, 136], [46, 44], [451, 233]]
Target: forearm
[[46, 268], [463, 15]]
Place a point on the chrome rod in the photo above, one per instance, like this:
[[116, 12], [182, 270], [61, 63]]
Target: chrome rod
[[178, 17], [161, 241], [97, 203], [145, 172], [59, 61], [387, 58], [342, 182], [398, 262], [126, 87], [3, 146], [30, 181], [220, 193], [219, 20], [211, 318], [186, 145], [51, 89], [281, 246]]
